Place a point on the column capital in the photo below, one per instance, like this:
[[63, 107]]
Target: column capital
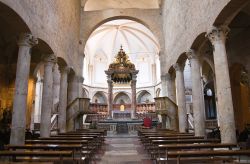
[[217, 34], [178, 67], [49, 58], [64, 70], [191, 54], [26, 39]]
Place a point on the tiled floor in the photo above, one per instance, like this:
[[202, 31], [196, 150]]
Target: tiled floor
[[123, 149]]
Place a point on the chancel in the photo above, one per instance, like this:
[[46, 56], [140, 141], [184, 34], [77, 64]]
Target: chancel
[[124, 81]]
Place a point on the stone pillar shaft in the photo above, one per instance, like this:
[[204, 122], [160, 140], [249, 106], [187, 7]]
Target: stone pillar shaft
[[197, 96], [170, 87], [133, 103], [47, 97], [110, 98], [26, 41], [217, 36], [164, 86], [181, 99], [63, 99]]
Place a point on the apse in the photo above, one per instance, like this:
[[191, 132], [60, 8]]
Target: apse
[[137, 41]]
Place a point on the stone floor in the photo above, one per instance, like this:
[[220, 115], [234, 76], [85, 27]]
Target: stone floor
[[123, 149]]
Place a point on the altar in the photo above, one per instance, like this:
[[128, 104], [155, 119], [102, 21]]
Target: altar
[[121, 115]]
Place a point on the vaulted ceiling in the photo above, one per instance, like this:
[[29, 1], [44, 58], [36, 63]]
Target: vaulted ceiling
[[92, 5]]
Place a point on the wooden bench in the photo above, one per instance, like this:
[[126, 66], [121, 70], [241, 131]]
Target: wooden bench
[[163, 149], [59, 155], [206, 153], [153, 147]]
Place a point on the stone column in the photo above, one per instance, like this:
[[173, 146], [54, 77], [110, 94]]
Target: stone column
[[164, 86], [47, 97], [181, 99], [217, 36], [110, 96], [133, 103], [197, 97], [170, 87], [63, 99], [18, 125], [56, 88]]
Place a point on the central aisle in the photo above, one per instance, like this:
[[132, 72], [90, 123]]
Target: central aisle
[[124, 149]]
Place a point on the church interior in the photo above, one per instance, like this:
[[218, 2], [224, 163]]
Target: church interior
[[124, 81]]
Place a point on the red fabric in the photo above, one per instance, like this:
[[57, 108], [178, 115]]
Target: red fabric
[[147, 122]]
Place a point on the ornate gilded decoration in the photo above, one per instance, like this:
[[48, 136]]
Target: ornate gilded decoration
[[122, 62], [121, 70]]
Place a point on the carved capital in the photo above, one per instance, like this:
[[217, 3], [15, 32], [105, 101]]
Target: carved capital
[[178, 67], [217, 34], [64, 70], [49, 58], [191, 54], [26, 39]]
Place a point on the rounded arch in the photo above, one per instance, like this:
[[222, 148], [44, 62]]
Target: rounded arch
[[144, 96], [122, 17], [182, 58], [230, 11], [13, 20], [122, 98], [199, 41], [61, 62], [99, 97]]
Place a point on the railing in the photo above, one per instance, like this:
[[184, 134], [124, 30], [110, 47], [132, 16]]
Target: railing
[[54, 122], [145, 108], [190, 120], [211, 124]]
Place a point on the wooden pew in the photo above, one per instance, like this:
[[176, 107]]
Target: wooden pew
[[147, 139], [180, 155], [163, 149], [153, 147], [58, 155]]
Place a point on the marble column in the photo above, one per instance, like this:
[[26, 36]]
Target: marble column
[[110, 96], [217, 36], [197, 97], [63, 99], [18, 125], [163, 85], [133, 103], [47, 97], [181, 99], [170, 87]]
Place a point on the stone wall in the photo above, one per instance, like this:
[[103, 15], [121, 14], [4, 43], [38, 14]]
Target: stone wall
[[183, 21], [56, 22]]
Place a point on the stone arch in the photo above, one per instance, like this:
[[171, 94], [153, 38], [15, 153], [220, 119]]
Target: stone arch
[[14, 19], [133, 18], [199, 41], [122, 98], [182, 58], [229, 12], [99, 97], [144, 96]]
